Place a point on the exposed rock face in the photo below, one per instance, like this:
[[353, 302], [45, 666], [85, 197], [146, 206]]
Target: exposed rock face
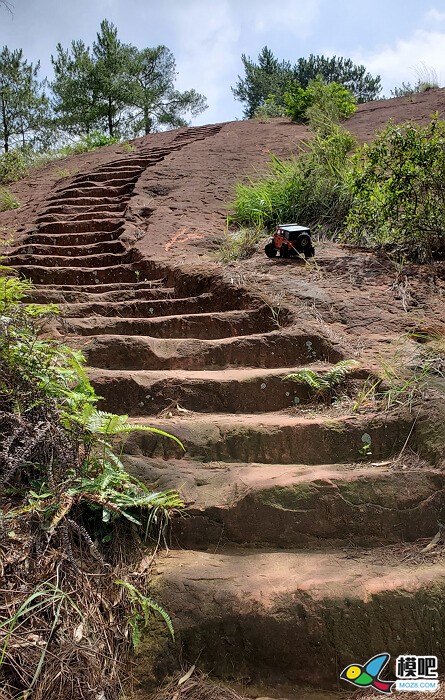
[[293, 560]]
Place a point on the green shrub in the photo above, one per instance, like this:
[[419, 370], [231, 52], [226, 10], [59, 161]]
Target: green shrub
[[89, 142], [332, 100], [8, 200], [311, 189], [398, 186], [13, 166], [297, 100], [71, 509], [270, 109]]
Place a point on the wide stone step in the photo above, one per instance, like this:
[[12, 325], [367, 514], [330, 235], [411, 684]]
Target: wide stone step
[[82, 275], [278, 348], [137, 161], [198, 325], [74, 239], [299, 506], [81, 225], [150, 309], [274, 438], [155, 283], [62, 206], [72, 250], [111, 175], [46, 295], [79, 261], [117, 180], [299, 616], [96, 192], [83, 214], [223, 391]]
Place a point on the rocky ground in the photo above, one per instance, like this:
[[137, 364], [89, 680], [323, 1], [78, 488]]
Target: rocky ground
[[301, 552]]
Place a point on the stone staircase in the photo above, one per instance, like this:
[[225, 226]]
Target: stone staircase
[[291, 560]]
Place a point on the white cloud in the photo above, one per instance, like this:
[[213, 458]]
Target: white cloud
[[210, 38], [409, 59], [288, 16], [205, 52], [434, 16]]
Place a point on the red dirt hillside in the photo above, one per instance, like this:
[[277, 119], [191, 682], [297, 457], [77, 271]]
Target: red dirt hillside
[[301, 552]]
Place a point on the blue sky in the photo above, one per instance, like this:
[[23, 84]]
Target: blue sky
[[207, 37]]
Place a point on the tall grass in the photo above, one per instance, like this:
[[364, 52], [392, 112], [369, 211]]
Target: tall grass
[[310, 188], [8, 200]]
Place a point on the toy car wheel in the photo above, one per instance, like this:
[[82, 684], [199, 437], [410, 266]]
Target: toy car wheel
[[270, 250], [304, 245]]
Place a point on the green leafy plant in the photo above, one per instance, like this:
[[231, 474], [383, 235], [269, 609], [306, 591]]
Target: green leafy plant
[[8, 200], [142, 607], [331, 99], [69, 508], [365, 451], [322, 384], [398, 188]]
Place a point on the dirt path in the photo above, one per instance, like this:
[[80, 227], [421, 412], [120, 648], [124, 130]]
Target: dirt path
[[293, 560]]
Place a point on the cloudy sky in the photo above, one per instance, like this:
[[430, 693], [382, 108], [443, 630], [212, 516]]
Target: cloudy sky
[[393, 38]]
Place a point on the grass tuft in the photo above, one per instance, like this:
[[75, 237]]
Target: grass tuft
[[7, 200]]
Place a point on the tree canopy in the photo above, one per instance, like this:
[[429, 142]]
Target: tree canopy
[[270, 76], [398, 185], [111, 87], [118, 88], [23, 103], [155, 101]]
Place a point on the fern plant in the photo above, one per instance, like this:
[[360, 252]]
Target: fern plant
[[46, 393], [66, 500], [141, 608], [323, 384]]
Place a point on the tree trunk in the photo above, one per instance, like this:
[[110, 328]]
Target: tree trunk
[[110, 118], [147, 120], [5, 127]]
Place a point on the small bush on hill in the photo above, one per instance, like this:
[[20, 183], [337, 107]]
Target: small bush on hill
[[88, 142], [398, 185], [311, 188], [240, 244], [13, 166], [333, 100], [70, 518], [271, 108], [8, 200]]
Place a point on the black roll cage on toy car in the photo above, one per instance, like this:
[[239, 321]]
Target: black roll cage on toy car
[[290, 241]]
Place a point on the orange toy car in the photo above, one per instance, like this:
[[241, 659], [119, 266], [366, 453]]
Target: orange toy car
[[290, 241]]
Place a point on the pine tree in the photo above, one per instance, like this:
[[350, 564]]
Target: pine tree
[[24, 110], [117, 88], [154, 97], [269, 76]]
